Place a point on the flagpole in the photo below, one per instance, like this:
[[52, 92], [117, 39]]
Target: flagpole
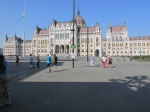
[[24, 31]]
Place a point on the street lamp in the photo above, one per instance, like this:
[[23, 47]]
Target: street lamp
[[73, 31], [87, 44], [52, 44]]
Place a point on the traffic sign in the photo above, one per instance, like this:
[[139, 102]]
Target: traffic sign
[[73, 46], [72, 55]]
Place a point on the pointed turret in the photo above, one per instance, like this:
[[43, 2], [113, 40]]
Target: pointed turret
[[108, 26], [78, 12], [37, 30], [6, 38], [15, 36], [79, 20], [37, 26], [124, 24], [54, 22]]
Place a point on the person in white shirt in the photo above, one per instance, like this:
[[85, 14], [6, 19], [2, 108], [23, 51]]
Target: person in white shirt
[[92, 60], [31, 62], [104, 60]]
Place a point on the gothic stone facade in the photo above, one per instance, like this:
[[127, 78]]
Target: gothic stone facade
[[15, 46], [58, 39]]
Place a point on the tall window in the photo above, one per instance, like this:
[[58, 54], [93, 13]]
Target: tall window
[[91, 40], [97, 39], [66, 35], [57, 36], [130, 44], [113, 45], [34, 41], [61, 36], [83, 40]]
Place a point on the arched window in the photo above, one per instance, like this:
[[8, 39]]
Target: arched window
[[112, 37], [97, 39], [34, 41], [91, 40]]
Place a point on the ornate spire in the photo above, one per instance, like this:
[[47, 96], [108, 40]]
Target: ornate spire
[[108, 26], [15, 35], [124, 23], [6, 38], [37, 26], [78, 12], [6, 35]]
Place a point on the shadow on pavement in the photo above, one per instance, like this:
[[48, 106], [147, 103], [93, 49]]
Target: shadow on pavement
[[129, 95], [24, 66]]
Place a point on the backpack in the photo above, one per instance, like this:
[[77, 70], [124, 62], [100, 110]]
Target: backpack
[[110, 59], [2, 68], [56, 58]]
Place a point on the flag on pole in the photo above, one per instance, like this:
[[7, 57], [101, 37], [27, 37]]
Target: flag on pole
[[22, 16]]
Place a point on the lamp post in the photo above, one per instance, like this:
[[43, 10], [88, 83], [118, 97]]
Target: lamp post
[[52, 44], [73, 32], [87, 43]]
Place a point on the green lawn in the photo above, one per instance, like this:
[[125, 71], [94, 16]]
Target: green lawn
[[141, 58]]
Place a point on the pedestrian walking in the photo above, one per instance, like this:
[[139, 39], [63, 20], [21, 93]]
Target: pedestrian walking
[[104, 60], [110, 62], [17, 60], [4, 83], [92, 60], [38, 61], [55, 62], [31, 62], [48, 61]]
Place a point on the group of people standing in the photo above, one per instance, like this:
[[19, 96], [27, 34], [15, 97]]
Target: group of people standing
[[48, 61], [103, 60]]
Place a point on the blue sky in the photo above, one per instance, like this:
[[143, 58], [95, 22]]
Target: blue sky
[[42, 12]]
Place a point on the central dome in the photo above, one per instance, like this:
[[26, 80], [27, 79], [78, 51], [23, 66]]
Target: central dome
[[79, 20]]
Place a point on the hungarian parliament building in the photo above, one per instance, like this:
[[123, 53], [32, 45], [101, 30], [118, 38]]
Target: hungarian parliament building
[[58, 39]]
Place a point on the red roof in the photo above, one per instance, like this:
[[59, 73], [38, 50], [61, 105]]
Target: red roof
[[116, 29], [140, 38], [91, 29], [44, 32]]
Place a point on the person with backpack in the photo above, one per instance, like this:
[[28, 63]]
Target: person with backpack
[[55, 62], [4, 83], [110, 62], [17, 60]]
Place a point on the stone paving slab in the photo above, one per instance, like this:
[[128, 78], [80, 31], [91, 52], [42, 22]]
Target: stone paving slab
[[123, 88]]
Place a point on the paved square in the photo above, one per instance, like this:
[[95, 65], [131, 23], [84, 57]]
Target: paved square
[[123, 88]]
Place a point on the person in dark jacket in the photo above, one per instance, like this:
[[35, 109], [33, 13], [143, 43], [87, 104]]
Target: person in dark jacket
[[55, 62], [17, 60]]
